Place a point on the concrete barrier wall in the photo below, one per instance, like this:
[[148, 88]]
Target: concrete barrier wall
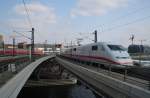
[[12, 88]]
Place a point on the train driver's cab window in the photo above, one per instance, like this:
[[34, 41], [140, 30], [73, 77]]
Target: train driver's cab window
[[116, 47], [94, 48]]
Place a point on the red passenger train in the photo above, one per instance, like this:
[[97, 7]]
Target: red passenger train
[[19, 52]]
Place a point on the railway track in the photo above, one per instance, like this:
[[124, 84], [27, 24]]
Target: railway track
[[137, 72], [115, 75]]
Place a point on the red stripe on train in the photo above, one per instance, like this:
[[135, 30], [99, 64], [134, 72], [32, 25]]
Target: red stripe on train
[[95, 57]]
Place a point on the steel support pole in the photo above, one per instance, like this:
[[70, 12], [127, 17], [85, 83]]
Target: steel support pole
[[3, 48], [13, 46], [32, 43], [95, 33]]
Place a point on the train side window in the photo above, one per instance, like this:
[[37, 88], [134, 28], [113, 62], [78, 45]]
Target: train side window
[[94, 48], [74, 49]]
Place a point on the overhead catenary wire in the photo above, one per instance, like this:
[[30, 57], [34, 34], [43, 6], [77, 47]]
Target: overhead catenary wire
[[129, 13], [123, 16], [22, 35], [27, 13], [126, 24]]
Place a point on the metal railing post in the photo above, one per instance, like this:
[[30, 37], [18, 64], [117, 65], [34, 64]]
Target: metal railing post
[[109, 69], [125, 73], [3, 68], [99, 67], [149, 85]]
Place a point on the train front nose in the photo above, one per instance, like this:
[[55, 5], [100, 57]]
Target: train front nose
[[127, 62]]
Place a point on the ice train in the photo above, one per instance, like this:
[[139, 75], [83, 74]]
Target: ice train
[[101, 53]]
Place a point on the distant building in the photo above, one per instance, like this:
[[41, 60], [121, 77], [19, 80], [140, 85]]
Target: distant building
[[44, 48], [48, 48], [22, 45], [9, 46], [139, 49], [65, 47], [1, 38]]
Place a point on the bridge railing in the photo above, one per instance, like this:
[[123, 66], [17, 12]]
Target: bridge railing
[[12, 65], [126, 78]]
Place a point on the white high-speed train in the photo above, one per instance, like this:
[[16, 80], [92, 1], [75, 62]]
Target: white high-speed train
[[102, 53]]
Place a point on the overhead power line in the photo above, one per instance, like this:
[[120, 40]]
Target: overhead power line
[[130, 13], [124, 16], [28, 16], [22, 35], [132, 22], [27, 12]]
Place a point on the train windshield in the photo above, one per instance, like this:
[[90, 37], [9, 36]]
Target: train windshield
[[116, 47]]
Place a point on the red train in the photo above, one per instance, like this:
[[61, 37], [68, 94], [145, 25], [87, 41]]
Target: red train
[[19, 52]]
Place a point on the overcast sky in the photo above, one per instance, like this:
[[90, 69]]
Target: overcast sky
[[59, 21]]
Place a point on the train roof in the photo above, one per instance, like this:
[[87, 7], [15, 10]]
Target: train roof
[[95, 44], [91, 44]]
